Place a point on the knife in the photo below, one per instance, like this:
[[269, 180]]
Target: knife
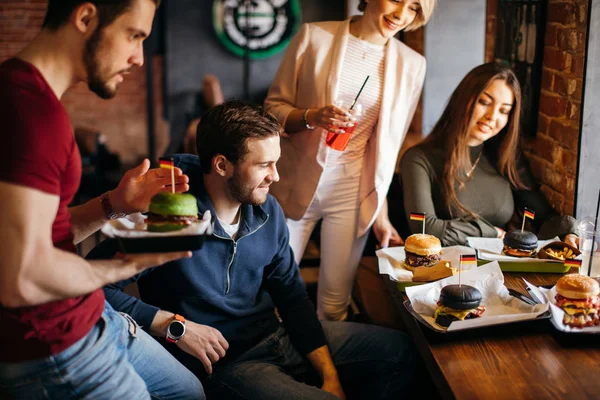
[[533, 296], [522, 297]]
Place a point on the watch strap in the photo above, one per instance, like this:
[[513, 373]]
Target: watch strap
[[179, 318], [109, 212]]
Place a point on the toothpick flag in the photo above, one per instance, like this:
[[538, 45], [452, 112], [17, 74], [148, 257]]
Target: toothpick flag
[[468, 259], [573, 263], [167, 162], [465, 259], [418, 217], [527, 214]]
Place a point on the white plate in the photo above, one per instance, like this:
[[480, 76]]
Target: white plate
[[549, 296]]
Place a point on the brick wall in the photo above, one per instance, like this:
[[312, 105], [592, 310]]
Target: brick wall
[[122, 119], [554, 151], [490, 29]]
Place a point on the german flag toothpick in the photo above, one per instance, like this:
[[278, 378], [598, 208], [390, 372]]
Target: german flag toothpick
[[527, 214], [468, 259], [418, 217], [167, 162], [573, 263]]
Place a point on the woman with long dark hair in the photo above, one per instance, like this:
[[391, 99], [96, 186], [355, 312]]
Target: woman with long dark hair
[[469, 176]]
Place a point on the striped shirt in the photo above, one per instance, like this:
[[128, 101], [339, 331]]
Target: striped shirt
[[362, 59]]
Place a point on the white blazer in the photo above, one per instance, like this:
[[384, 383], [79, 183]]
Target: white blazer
[[308, 78]]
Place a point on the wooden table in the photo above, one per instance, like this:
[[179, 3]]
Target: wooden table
[[529, 360]]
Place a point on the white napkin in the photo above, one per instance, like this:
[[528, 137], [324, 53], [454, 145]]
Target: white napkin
[[500, 306], [134, 226], [391, 261]]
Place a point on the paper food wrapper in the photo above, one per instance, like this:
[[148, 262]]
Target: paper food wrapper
[[500, 306], [133, 226], [491, 249], [548, 297], [391, 261]]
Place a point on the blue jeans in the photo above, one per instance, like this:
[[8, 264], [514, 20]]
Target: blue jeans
[[115, 360], [372, 362]]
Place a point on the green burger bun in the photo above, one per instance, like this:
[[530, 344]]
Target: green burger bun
[[171, 212]]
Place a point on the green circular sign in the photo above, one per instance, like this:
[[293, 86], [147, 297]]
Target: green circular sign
[[269, 25]]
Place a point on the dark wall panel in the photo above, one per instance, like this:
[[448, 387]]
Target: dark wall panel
[[192, 50]]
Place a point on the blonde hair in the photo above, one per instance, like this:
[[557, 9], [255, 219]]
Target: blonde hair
[[422, 17]]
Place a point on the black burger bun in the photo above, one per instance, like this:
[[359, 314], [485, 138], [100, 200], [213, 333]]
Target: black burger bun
[[520, 243], [460, 297]]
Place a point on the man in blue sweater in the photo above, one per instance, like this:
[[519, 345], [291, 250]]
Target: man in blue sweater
[[216, 310]]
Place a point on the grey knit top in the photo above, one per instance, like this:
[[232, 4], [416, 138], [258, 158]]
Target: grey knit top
[[487, 194]]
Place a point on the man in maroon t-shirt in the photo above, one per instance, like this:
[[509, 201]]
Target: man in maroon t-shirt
[[58, 338]]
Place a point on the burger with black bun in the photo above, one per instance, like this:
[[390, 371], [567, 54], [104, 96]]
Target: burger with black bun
[[457, 303], [422, 250], [171, 212], [577, 295], [520, 244]]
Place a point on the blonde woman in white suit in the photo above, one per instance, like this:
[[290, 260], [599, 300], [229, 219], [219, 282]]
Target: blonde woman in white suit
[[346, 189]]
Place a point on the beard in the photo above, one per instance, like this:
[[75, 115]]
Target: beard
[[243, 192], [97, 83]]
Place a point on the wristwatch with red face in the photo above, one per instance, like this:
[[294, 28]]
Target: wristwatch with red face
[[176, 329]]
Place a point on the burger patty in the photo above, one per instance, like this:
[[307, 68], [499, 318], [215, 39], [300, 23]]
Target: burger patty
[[446, 315], [581, 320], [579, 312], [510, 251], [416, 260], [183, 219]]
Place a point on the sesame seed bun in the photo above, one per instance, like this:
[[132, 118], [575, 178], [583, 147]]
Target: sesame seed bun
[[575, 286], [423, 244]]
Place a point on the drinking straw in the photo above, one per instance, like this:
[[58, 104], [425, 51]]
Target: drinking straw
[[594, 237], [359, 92], [334, 137]]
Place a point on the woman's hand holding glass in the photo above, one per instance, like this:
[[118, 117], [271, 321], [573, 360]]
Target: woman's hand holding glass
[[330, 116]]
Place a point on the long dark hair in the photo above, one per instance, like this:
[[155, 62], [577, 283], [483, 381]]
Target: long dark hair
[[452, 132]]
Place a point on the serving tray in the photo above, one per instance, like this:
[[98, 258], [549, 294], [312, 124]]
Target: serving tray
[[161, 244], [440, 329]]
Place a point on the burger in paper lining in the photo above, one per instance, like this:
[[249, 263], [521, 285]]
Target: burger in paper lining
[[422, 250]]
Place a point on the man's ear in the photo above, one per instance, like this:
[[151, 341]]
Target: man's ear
[[85, 18], [221, 165]]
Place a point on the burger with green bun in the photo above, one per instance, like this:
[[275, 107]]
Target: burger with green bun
[[171, 212]]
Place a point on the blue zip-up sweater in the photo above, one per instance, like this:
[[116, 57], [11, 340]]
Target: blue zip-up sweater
[[231, 285]]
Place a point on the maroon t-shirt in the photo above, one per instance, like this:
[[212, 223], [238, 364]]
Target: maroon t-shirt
[[38, 150]]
